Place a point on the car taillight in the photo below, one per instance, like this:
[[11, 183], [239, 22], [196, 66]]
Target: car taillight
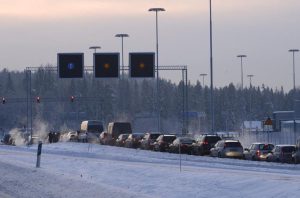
[[258, 153], [205, 143]]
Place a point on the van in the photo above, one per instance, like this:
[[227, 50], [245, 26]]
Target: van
[[115, 129], [92, 129]]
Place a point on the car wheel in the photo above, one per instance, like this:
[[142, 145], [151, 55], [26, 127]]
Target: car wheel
[[219, 155]]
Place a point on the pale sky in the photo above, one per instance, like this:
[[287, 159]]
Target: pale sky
[[34, 31]]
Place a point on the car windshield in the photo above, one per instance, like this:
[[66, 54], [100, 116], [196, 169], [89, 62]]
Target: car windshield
[[169, 138], [137, 135], [186, 140], [268, 147], [212, 139], [232, 144], [288, 149], [154, 136]]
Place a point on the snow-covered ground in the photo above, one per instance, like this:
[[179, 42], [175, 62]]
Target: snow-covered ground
[[86, 170]]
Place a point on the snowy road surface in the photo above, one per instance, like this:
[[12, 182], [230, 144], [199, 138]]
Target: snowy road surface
[[84, 170]]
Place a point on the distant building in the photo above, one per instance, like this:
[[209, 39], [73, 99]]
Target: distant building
[[252, 126]]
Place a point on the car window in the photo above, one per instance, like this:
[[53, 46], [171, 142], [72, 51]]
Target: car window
[[268, 147], [288, 149], [233, 144], [212, 139], [154, 136]]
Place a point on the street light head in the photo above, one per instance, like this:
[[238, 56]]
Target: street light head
[[203, 74], [250, 75], [121, 35], [156, 9], [95, 47], [241, 56], [293, 50]]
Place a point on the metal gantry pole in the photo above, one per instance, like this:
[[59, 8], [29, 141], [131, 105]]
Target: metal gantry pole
[[122, 49], [211, 73], [242, 72]]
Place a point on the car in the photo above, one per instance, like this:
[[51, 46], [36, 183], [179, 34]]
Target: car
[[204, 143], [7, 139], [228, 149], [258, 151], [120, 141], [105, 138], [162, 142], [296, 154], [282, 153], [114, 129], [148, 140], [181, 145], [133, 140], [70, 136]]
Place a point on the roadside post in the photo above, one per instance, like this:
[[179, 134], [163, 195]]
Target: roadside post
[[179, 154], [39, 152]]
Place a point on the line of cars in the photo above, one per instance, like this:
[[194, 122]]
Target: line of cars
[[212, 145]]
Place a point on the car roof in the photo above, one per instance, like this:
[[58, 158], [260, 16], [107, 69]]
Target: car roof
[[284, 145]]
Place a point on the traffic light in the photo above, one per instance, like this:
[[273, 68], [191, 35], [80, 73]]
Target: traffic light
[[3, 100], [72, 98], [70, 65], [38, 100], [106, 65], [142, 64]]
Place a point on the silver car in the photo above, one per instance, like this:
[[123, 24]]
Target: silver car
[[227, 148], [258, 151]]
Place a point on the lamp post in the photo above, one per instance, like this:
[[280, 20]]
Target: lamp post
[[95, 48], [242, 78], [156, 10], [294, 80], [122, 37], [250, 76], [203, 76], [211, 73], [294, 88], [250, 102]]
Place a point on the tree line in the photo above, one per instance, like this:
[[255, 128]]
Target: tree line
[[134, 100]]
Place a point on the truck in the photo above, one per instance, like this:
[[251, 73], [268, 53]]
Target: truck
[[114, 129], [90, 131]]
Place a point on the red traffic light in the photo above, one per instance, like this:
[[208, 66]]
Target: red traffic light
[[72, 98], [3, 101], [38, 100]]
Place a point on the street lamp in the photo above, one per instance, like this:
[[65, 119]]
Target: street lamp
[[250, 77], [156, 10], [203, 76], [242, 79], [95, 48], [211, 73], [250, 102], [122, 36], [294, 91], [293, 51]]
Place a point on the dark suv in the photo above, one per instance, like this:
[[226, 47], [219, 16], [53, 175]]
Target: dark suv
[[162, 142], [148, 140], [281, 153], [204, 143]]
